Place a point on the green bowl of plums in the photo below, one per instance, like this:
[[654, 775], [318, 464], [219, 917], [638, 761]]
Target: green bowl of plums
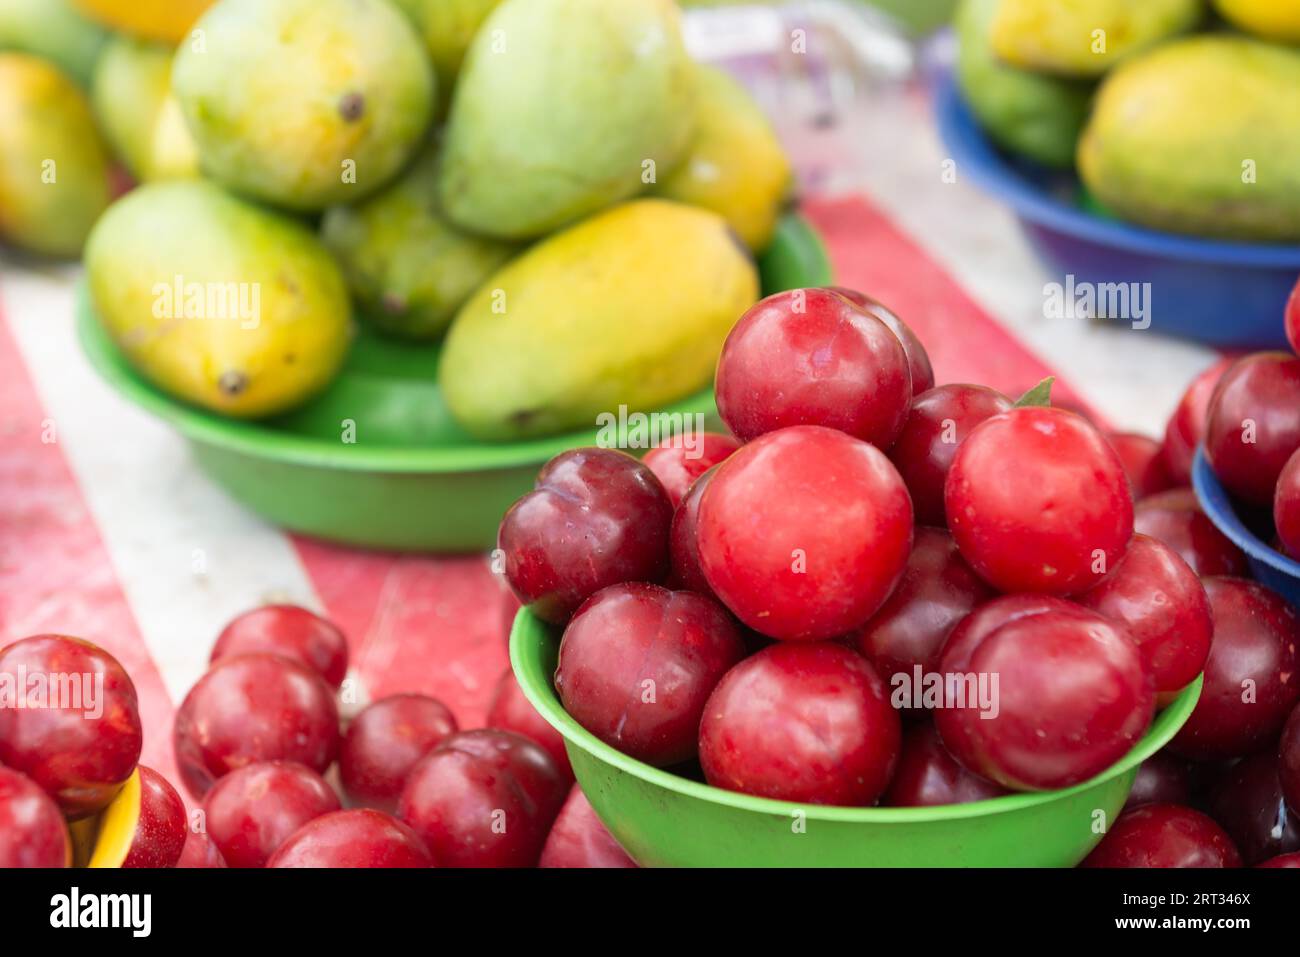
[[669, 817], [757, 656]]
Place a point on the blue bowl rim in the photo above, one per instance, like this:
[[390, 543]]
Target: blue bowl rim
[[974, 152], [1217, 505]]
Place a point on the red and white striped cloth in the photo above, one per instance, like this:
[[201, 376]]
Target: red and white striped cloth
[[102, 514]]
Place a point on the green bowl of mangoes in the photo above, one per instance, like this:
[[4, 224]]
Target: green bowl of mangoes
[[377, 460], [378, 270]]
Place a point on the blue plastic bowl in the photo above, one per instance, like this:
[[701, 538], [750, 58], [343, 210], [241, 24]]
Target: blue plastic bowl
[[1269, 566], [1225, 294]]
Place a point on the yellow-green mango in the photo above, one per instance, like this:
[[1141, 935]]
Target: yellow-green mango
[[1201, 136], [54, 170], [142, 120], [1270, 19], [1033, 114], [52, 29], [628, 308], [216, 300], [168, 21], [564, 107], [735, 165], [448, 27], [408, 268], [1085, 37], [304, 103]]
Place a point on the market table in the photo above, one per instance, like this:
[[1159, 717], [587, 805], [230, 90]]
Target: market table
[[109, 532]]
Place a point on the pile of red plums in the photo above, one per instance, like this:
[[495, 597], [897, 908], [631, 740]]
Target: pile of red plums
[[1251, 431], [258, 733], [255, 740], [70, 743], [880, 590]]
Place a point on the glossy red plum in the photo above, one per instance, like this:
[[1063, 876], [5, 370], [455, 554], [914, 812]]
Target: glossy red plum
[[1037, 501], [1186, 427], [1162, 778], [596, 517], [1143, 463], [1289, 760], [637, 662], [1175, 518], [161, 829], [1286, 506], [1253, 425], [684, 541], [361, 837], [937, 424], [938, 589], [804, 533], [678, 464], [918, 360], [928, 776], [200, 852], [1282, 860], [971, 631], [32, 831], [484, 799], [1164, 835], [1252, 675], [509, 710], [1293, 319], [1161, 601], [253, 708], [252, 811], [69, 720], [1247, 800], [291, 632], [580, 839], [1046, 700], [812, 357], [810, 723], [385, 741]]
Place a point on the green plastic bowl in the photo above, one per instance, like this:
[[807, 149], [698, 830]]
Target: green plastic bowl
[[412, 480], [664, 820]]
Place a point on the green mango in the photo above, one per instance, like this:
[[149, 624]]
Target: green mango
[[54, 169], [408, 268], [1200, 136], [1028, 113], [304, 103], [736, 165], [218, 301], [132, 97], [1085, 37], [54, 30], [629, 308], [448, 27], [564, 107]]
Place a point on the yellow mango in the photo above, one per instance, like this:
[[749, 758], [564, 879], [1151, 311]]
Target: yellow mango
[[735, 165], [628, 308]]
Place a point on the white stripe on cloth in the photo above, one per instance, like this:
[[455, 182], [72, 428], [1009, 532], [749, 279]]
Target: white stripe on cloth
[[186, 556]]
